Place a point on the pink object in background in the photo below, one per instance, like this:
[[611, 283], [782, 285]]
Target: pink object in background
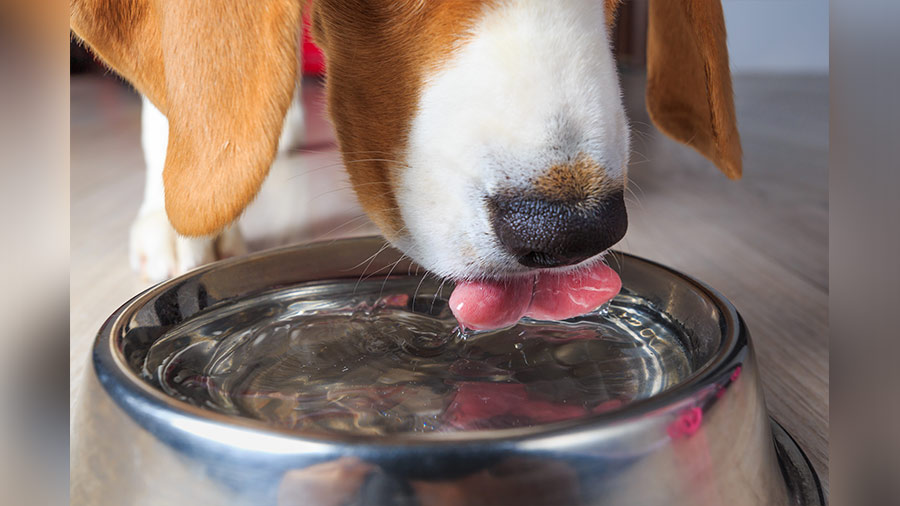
[[313, 59]]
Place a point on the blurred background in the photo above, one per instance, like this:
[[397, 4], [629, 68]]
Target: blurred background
[[780, 55], [762, 241]]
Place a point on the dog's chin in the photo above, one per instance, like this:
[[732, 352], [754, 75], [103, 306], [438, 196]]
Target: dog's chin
[[514, 270], [584, 265], [459, 265], [494, 294]]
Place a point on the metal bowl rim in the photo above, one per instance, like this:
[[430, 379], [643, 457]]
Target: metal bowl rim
[[140, 399]]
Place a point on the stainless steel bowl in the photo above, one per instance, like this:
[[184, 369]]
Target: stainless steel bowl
[[705, 441]]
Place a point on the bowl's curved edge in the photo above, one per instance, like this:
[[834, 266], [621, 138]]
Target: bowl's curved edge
[[120, 382], [801, 478]]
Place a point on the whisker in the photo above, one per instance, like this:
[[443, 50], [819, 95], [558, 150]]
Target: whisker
[[438, 292], [381, 293], [387, 160], [634, 198], [332, 150], [632, 183], [416, 293], [362, 276], [351, 187], [370, 263], [618, 262], [366, 278], [344, 163], [642, 155], [310, 171], [344, 224], [369, 258], [351, 220]]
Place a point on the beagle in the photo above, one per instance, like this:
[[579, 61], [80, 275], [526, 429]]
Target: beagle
[[485, 168]]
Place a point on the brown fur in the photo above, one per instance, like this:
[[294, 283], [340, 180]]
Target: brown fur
[[223, 72], [377, 54], [689, 93], [580, 182], [611, 7]]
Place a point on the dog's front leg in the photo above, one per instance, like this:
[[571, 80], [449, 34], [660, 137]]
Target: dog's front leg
[[157, 252]]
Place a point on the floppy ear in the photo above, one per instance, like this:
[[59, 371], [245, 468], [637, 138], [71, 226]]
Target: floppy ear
[[689, 94], [223, 72], [611, 8]]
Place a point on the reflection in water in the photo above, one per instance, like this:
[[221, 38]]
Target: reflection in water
[[337, 357]]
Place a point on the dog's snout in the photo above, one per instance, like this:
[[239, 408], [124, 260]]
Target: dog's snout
[[547, 233]]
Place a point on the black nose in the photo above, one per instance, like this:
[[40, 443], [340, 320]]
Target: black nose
[[545, 233]]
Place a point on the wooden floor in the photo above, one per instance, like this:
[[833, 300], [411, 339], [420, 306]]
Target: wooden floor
[[762, 241]]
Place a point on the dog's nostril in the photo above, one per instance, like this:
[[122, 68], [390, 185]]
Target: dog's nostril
[[541, 233], [541, 259]]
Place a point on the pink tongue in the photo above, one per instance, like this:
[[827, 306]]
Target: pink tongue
[[484, 305]]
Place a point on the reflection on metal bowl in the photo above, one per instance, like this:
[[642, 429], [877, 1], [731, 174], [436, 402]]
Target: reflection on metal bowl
[[288, 378]]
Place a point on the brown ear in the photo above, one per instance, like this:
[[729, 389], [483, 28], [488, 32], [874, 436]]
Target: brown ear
[[689, 94], [223, 72], [611, 8]]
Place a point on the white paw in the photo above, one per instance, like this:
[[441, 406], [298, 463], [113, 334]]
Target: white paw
[[158, 253]]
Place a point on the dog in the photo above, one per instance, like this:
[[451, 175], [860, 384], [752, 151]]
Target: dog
[[487, 169]]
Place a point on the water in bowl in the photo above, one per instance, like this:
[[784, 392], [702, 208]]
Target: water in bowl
[[386, 357]]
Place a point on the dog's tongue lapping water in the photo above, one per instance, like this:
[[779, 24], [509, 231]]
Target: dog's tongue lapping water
[[485, 305]]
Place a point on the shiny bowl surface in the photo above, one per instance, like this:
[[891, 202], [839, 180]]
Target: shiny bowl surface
[[706, 441]]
